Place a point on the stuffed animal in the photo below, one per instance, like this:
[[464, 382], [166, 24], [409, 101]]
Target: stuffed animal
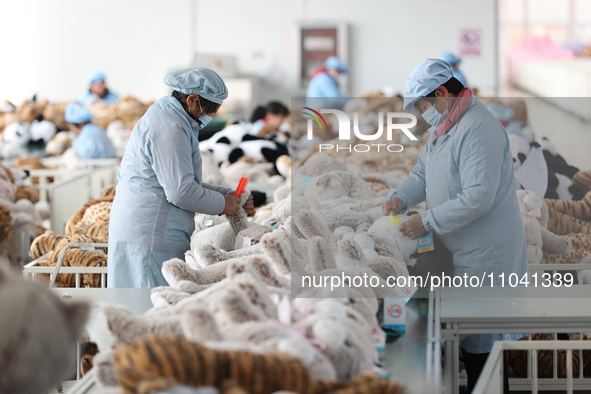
[[137, 372], [60, 143], [582, 179], [39, 332], [580, 209], [108, 191], [235, 141], [5, 223], [44, 244], [559, 184], [542, 245], [17, 134], [98, 230], [55, 113], [229, 236], [42, 131], [118, 134], [561, 224], [98, 211], [517, 359], [406, 246], [74, 257], [26, 192]]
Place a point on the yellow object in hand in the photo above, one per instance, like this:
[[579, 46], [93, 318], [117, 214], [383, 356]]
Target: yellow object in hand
[[395, 219]]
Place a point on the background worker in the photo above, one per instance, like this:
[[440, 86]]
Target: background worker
[[92, 141]]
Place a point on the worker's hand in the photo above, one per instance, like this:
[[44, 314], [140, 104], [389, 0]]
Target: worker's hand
[[249, 205], [413, 227], [232, 205], [392, 206]]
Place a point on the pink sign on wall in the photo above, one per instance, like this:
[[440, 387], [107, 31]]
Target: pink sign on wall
[[470, 42]]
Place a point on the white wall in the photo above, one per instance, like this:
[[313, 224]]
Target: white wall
[[49, 46], [387, 38]]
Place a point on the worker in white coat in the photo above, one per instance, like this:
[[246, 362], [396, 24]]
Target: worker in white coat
[[92, 141], [465, 175], [323, 89], [98, 91], [160, 186]]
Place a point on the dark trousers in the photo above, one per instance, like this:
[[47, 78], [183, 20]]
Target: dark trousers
[[435, 262], [474, 364]]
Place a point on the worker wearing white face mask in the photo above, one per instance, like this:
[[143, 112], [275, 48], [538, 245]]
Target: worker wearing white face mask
[[465, 175], [160, 185]]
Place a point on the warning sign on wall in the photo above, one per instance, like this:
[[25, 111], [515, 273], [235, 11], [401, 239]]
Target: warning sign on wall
[[470, 42]]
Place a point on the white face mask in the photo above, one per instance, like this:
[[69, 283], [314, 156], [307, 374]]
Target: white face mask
[[433, 117], [204, 119]]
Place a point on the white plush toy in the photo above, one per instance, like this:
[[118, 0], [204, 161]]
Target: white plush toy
[[17, 133], [210, 169], [118, 134], [385, 227], [42, 130], [70, 159], [60, 142]]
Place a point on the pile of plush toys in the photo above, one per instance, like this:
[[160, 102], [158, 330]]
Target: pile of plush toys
[[34, 121], [239, 315], [228, 301], [240, 288], [38, 121], [89, 225], [238, 152], [20, 210]]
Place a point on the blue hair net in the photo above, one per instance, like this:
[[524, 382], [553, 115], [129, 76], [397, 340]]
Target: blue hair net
[[450, 58], [424, 79], [202, 81], [76, 113], [96, 76], [334, 62]]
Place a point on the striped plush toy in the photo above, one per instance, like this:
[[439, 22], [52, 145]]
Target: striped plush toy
[[157, 364]]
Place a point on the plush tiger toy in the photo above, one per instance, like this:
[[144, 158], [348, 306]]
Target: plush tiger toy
[[78, 216], [50, 241], [74, 258], [577, 209], [517, 360], [153, 364], [561, 224], [108, 191], [5, 223], [44, 244], [79, 238], [582, 180], [97, 230], [82, 258]]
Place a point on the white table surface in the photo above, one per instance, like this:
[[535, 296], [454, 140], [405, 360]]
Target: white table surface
[[517, 304], [508, 310]]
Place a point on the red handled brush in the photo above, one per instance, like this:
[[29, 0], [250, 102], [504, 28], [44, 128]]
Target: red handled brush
[[241, 186]]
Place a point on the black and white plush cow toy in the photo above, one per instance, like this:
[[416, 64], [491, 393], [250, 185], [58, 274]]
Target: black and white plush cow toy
[[560, 185], [236, 141]]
